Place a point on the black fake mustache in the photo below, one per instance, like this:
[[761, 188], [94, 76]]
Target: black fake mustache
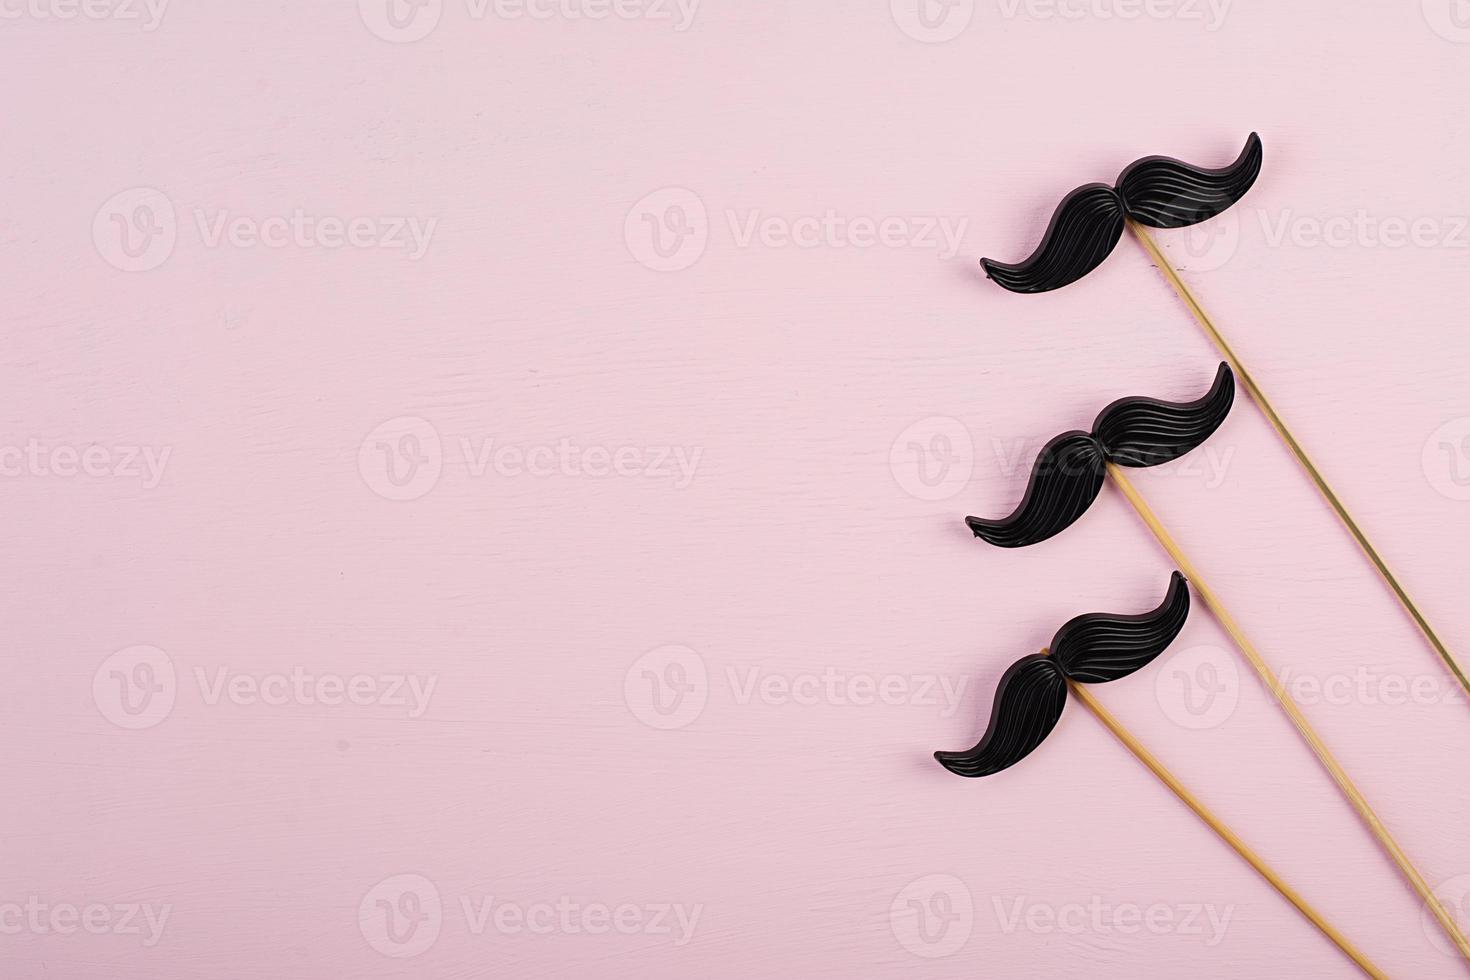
[[1069, 472], [1160, 192], [1090, 649]]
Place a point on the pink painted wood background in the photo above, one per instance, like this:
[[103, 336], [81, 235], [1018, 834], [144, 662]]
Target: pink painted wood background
[[485, 486]]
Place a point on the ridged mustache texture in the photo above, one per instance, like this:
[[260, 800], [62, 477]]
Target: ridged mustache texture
[[1160, 192], [1068, 473], [1089, 649]]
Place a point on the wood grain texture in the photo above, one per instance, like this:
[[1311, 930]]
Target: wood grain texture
[[840, 401]]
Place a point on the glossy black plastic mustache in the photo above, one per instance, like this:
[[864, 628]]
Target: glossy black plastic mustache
[[1160, 192], [1090, 649], [1068, 474]]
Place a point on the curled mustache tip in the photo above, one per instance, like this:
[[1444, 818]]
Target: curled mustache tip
[[1162, 192], [1100, 647], [1140, 431], [1028, 702], [1082, 232], [1065, 479]]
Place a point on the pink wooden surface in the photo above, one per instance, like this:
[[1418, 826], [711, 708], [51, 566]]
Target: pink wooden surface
[[397, 405]]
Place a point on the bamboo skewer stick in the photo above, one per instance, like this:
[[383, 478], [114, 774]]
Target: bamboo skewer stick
[[1304, 727], [1227, 835], [1200, 316]]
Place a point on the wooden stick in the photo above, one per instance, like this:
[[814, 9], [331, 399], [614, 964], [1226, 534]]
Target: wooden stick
[[1146, 240], [1339, 775], [1223, 832]]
